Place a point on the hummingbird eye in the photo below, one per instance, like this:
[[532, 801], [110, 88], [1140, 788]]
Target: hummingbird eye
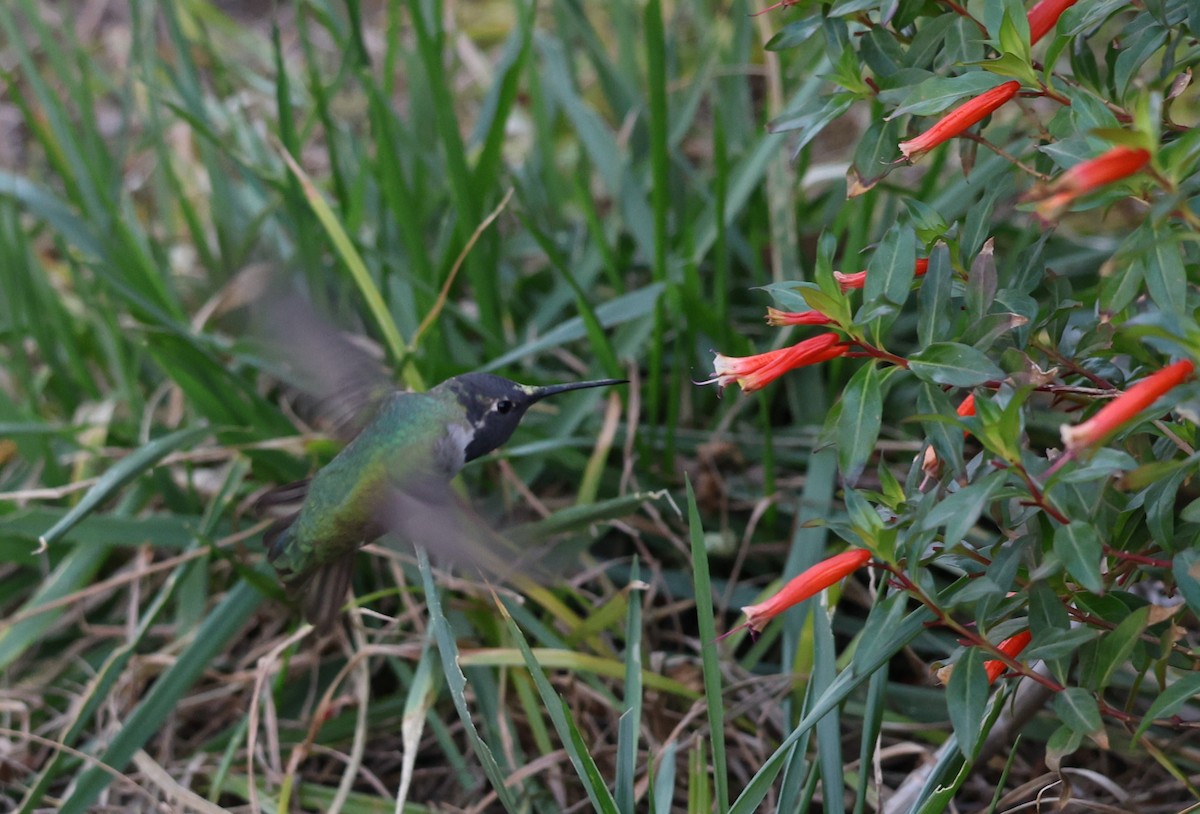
[[504, 406]]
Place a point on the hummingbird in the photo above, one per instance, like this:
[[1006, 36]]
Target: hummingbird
[[394, 476]]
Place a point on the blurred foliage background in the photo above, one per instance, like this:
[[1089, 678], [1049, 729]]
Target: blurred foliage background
[[552, 192]]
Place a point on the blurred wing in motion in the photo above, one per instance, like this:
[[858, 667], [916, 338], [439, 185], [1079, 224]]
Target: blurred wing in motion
[[343, 383], [436, 518]]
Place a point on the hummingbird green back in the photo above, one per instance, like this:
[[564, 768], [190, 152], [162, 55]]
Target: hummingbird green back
[[408, 442]]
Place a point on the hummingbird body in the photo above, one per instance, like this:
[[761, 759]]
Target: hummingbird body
[[394, 476]]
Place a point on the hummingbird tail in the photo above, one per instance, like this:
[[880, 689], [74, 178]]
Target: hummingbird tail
[[323, 594], [320, 590], [277, 537]]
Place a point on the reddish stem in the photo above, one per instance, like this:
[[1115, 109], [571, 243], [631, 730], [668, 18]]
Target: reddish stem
[[1138, 558]]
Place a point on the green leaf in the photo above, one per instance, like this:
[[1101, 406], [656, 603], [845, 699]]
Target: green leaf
[[795, 34], [630, 722], [1139, 44], [1062, 742], [1179, 691], [137, 462], [953, 364], [847, 72], [1076, 707], [873, 157], [352, 259], [890, 272], [1166, 278], [941, 92], [1186, 569], [1011, 66], [1014, 35], [1055, 643], [1116, 646], [933, 297], [812, 117], [959, 510], [859, 421], [967, 698], [1079, 546]]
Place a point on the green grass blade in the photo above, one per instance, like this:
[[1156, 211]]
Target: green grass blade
[[568, 732], [663, 788], [707, 629], [354, 263], [125, 470], [828, 728], [848, 680], [872, 724], [74, 572], [457, 683], [656, 79], [631, 714], [98, 689], [222, 624]]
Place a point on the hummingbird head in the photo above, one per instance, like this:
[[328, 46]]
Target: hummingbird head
[[495, 405]]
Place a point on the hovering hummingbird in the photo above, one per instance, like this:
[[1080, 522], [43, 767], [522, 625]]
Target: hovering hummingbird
[[394, 476]]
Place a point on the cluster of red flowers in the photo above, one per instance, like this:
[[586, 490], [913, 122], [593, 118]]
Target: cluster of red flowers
[[1054, 198], [1050, 201], [756, 372]]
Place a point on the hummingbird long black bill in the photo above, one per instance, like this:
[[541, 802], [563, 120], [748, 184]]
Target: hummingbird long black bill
[[539, 393]]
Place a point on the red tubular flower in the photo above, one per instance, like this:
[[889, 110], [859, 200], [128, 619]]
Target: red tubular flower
[[1125, 407], [808, 584], [1044, 16], [780, 318], [959, 119], [1009, 647], [1117, 163], [930, 464], [756, 372], [858, 279]]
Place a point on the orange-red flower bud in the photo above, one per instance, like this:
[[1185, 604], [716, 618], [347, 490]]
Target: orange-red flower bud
[[959, 119], [1117, 163], [1125, 407], [780, 318], [930, 464], [1044, 16], [756, 372], [858, 279], [1009, 647], [808, 584]]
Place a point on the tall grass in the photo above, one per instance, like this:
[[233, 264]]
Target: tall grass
[[357, 150]]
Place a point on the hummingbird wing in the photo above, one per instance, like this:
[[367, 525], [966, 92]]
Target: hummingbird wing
[[340, 384], [435, 517], [342, 380]]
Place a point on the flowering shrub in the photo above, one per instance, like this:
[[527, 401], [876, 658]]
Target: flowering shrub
[[1056, 298]]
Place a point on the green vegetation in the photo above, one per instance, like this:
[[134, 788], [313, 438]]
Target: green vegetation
[[569, 191]]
